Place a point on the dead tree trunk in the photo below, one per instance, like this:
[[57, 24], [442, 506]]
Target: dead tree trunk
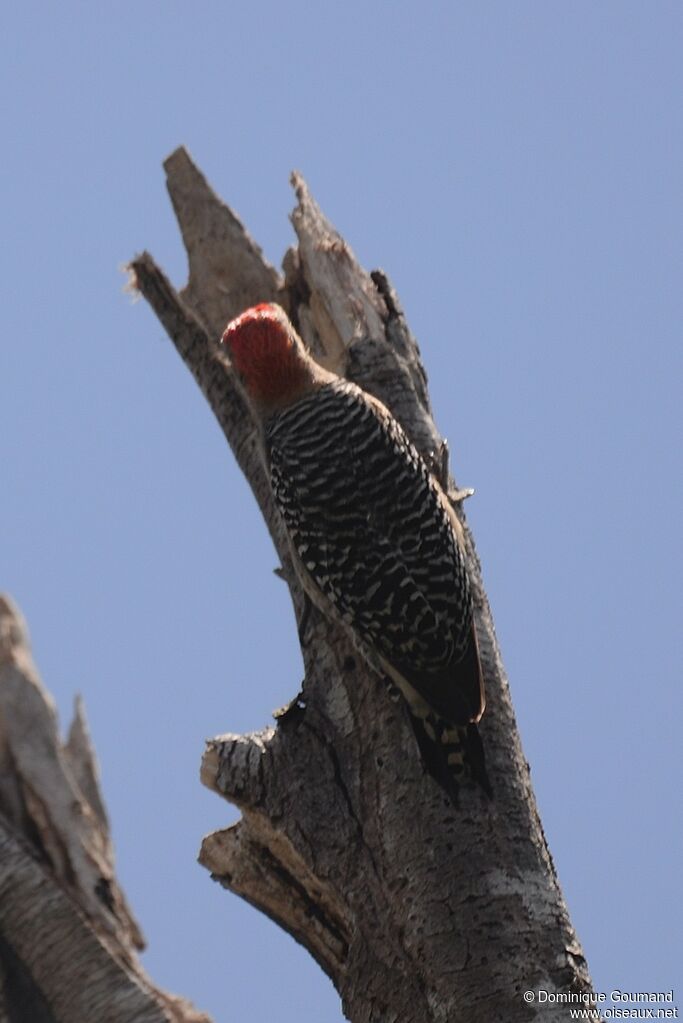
[[417, 911], [68, 941]]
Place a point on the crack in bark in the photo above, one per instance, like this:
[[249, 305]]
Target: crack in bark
[[313, 908], [337, 772]]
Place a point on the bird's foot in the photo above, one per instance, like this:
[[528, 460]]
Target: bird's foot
[[457, 496]]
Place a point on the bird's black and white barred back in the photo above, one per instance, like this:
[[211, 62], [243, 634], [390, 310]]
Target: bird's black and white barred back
[[377, 543]]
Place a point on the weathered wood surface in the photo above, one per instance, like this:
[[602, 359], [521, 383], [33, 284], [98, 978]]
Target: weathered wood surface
[[417, 910], [68, 941]]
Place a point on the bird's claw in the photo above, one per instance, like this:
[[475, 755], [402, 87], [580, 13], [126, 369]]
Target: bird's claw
[[458, 495]]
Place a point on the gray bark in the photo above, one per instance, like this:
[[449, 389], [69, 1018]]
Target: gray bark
[[416, 909], [68, 941]]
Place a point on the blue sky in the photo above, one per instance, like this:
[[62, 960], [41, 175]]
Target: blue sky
[[516, 169]]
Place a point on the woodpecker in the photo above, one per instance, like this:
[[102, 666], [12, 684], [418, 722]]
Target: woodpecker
[[374, 539]]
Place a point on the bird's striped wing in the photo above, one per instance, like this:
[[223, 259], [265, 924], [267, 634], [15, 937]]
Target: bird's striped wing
[[369, 528]]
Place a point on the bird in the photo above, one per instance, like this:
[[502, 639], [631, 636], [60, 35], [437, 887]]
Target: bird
[[374, 539]]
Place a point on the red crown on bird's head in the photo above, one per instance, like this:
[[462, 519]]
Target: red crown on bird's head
[[265, 351]]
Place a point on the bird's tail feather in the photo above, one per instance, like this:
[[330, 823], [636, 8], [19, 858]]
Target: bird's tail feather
[[451, 753]]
